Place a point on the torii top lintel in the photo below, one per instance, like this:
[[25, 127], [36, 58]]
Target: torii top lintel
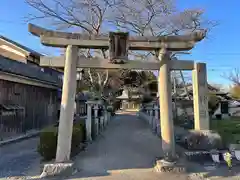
[[148, 43]]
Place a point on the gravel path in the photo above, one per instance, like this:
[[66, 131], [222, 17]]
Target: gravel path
[[17, 159], [125, 151]]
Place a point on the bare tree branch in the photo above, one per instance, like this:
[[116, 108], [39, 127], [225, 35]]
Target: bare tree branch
[[106, 78], [96, 17], [233, 76]]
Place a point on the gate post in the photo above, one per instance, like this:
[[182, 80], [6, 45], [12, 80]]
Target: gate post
[[67, 105], [96, 119], [102, 119], [165, 102], [105, 116], [89, 122], [200, 97]]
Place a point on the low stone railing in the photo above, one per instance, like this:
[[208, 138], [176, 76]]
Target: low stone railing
[[98, 117], [150, 113]]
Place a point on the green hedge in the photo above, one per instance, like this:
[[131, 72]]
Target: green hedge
[[228, 129], [48, 141]]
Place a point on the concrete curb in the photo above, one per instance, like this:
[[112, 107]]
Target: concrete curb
[[20, 138]]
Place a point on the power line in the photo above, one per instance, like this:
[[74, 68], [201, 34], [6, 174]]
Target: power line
[[220, 69], [223, 55], [215, 70], [12, 22]]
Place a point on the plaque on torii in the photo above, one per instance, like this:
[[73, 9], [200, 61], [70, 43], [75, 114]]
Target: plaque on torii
[[118, 44], [118, 47]]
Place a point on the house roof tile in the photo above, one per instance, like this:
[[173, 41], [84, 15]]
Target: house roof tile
[[27, 70]]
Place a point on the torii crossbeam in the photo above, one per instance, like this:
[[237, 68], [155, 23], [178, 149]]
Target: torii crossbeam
[[100, 63], [119, 44]]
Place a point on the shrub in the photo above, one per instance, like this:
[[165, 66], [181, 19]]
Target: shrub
[[48, 141], [147, 99], [228, 129], [203, 140], [77, 139], [81, 125]]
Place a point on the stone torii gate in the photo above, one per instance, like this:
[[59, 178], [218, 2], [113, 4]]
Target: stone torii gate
[[118, 45]]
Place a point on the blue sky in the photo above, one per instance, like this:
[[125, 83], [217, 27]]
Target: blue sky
[[221, 50]]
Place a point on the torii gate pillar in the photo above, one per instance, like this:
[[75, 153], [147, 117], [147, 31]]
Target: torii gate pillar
[[67, 105], [165, 101]]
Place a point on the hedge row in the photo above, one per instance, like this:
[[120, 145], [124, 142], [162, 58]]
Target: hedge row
[[48, 140]]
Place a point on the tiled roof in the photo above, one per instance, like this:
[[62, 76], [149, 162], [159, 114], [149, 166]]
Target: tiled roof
[[20, 46], [27, 70]]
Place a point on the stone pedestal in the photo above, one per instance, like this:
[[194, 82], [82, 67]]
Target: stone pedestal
[[57, 169], [165, 166]]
